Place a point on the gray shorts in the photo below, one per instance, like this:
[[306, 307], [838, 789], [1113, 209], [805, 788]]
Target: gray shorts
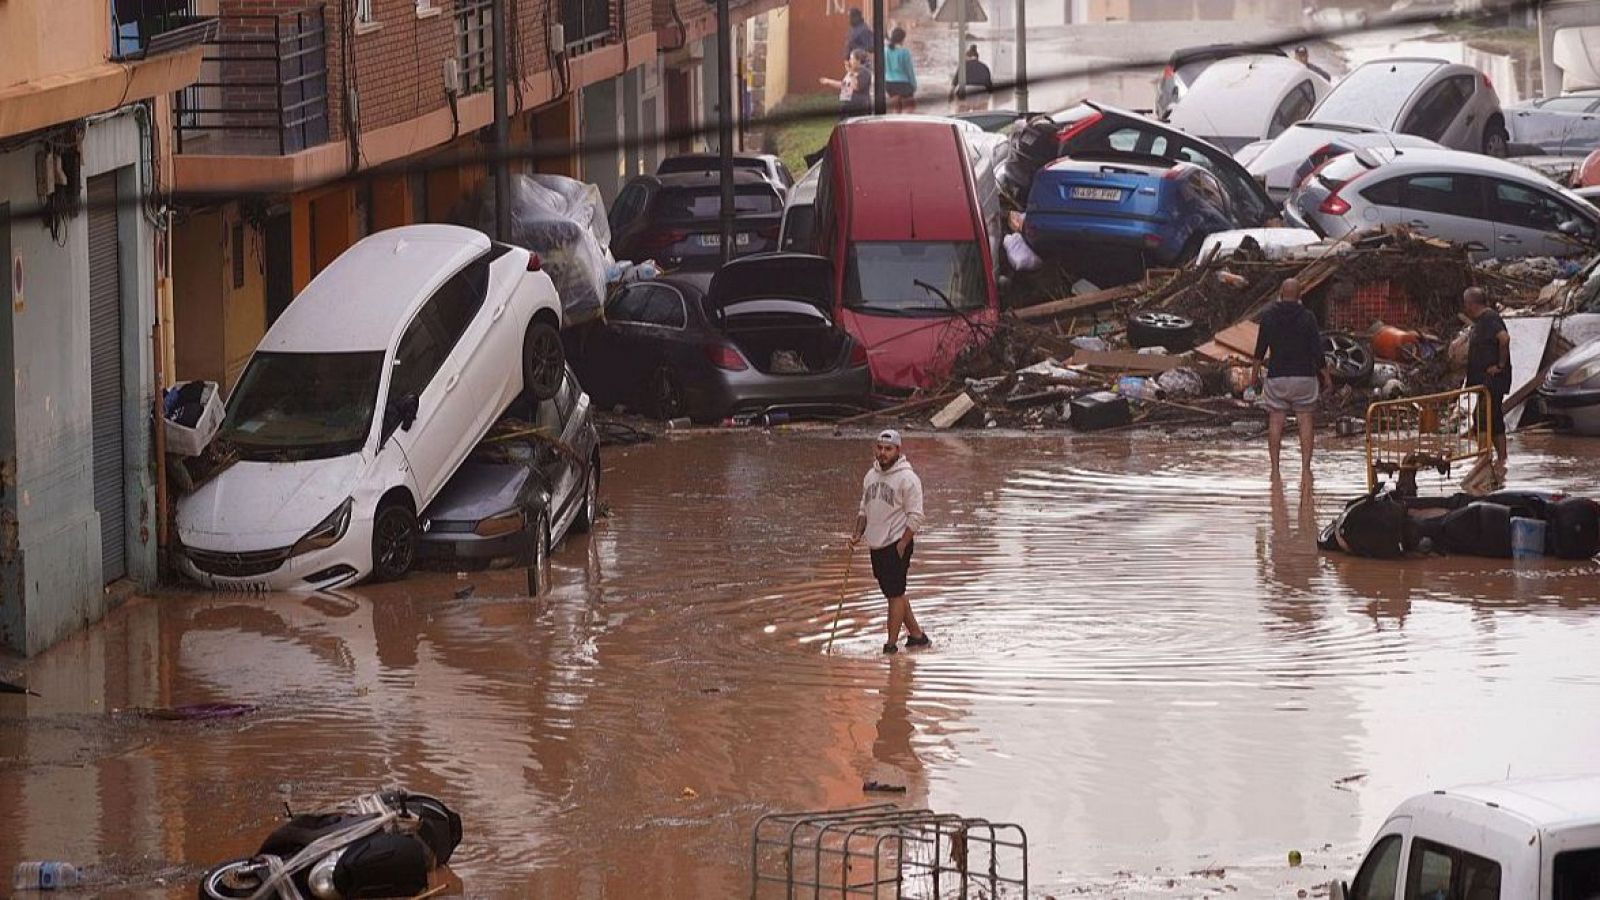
[[1295, 392]]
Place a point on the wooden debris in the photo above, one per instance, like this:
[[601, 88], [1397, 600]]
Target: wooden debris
[[1124, 361], [951, 414]]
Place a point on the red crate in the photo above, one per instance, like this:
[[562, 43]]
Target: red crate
[[1376, 301]]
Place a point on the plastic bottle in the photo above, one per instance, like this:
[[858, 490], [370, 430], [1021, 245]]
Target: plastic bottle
[[44, 875]]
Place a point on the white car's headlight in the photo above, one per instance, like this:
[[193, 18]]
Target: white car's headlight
[[1581, 376], [327, 532]]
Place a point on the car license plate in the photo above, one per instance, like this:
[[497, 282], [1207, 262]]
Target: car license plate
[[1094, 193], [715, 240]]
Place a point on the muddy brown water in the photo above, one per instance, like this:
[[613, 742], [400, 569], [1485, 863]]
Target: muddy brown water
[[1139, 656]]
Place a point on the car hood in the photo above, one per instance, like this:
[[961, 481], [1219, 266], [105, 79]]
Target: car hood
[[479, 490], [1575, 359], [773, 276], [911, 352], [262, 505]]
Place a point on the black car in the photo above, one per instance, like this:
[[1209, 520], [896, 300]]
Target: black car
[[757, 337], [531, 481], [675, 219], [1096, 128]]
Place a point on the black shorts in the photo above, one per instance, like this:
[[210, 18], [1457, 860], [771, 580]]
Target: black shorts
[[890, 568], [1492, 415], [902, 89]]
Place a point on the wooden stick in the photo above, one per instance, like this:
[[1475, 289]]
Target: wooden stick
[[897, 409], [849, 557]]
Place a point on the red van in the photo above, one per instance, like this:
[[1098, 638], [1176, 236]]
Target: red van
[[898, 212]]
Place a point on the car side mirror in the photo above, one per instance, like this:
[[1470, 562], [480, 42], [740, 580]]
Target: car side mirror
[[401, 414]]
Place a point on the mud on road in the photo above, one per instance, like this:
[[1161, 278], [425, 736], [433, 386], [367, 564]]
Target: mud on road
[[1139, 656]]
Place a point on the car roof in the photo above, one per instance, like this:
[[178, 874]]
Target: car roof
[[1214, 106], [1466, 162], [1185, 55], [902, 176], [741, 177], [1545, 802], [710, 156], [368, 294]]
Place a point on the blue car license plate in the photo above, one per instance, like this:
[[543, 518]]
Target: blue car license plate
[[1094, 193]]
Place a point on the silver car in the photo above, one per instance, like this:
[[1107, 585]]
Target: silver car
[[1247, 98], [1283, 162], [1497, 208], [1571, 392], [1568, 124], [1451, 104]]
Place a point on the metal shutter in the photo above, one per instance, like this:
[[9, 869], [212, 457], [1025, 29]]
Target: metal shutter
[[105, 374]]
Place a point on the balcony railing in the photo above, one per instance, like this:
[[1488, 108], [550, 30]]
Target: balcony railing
[[587, 22], [142, 28], [475, 44], [263, 88]]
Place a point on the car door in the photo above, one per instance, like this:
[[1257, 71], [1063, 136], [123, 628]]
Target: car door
[[1527, 222], [422, 369], [1436, 871], [1444, 205], [1558, 123]]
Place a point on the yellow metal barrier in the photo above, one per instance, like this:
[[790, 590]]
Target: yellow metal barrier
[[1428, 432]]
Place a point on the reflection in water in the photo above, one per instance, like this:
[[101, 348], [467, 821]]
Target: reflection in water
[[1142, 658]]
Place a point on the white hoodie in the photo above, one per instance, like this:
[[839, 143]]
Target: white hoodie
[[892, 502]]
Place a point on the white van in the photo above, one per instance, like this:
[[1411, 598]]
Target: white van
[[1530, 839]]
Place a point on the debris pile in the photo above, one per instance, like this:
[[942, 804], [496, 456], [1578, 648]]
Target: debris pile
[[1177, 348]]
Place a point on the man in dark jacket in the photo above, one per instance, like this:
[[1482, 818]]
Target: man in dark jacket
[[974, 96], [1291, 343], [1489, 366], [860, 35]]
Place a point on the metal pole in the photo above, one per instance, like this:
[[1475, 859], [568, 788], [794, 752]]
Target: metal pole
[[502, 127], [725, 122], [880, 91], [961, 56], [1022, 56]]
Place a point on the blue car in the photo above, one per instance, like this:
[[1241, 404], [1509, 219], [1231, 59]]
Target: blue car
[[1108, 215]]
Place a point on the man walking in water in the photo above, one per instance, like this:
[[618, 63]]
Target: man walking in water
[[1489, 367], [1291, 342], [889, 518]]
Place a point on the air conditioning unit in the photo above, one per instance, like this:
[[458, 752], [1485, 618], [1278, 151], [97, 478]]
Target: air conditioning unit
[[452, 77], [558, 38]]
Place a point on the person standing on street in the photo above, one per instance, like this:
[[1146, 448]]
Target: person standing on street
[[855, 88], [860, 36], [980, 82], [889, 518], [899, 75], [1489, 366], [1291, 342], [1302, 55]]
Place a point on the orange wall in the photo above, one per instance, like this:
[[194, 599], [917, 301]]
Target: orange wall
[[39, 38], [816, 41]]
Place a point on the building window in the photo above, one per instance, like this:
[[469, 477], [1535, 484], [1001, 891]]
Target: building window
[[475, 44], [364, 12]]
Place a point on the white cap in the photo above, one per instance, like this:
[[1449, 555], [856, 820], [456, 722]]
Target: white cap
[[889, 436]]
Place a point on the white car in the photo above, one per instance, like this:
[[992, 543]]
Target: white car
[[1493, 207], [1530, 839], [1283, 162], [1237, 101], [360, 403], [1451, 104]]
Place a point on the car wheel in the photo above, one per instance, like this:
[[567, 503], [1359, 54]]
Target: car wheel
[[589, 512], [539, 567], [544, 361], [1496, 142], [1152, 328], [666, 395], [233, 880], [1349, 360], [394, 542]]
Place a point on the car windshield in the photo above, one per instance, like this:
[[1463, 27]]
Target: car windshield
[[884, 276], [684, 204], [1375, 93], [291, 406]]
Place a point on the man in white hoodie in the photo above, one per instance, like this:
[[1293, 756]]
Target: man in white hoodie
[[889, 519]]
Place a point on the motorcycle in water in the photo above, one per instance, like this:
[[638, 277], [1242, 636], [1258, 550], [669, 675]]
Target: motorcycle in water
[[377, 845]]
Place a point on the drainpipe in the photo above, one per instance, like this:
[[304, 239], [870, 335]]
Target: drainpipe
[[725, 122], [502, 128]]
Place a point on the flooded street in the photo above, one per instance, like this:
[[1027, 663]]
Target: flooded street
[[1139, 656]]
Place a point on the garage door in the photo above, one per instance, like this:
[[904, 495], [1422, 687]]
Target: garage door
[[105, 374]]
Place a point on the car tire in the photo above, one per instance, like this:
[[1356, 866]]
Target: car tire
[[1496, 142], [1153, 328], [666, 395], [539, 566], [1349, 359], [544, 361], [589, 512], [229, 880], [394, 542]]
